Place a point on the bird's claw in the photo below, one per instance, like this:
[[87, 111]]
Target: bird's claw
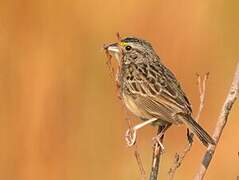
[[130, 137], [156, 140]]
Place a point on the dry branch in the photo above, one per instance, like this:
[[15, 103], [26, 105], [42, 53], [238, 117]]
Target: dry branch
[[157, 151], [139, 162], [178, 158], [136, 151], [135, 147], [222, 120]]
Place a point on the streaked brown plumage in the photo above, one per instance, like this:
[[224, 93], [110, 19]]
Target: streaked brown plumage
[[149, 89]]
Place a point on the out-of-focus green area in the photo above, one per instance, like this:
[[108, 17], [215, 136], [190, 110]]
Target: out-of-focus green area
[[60, 118]]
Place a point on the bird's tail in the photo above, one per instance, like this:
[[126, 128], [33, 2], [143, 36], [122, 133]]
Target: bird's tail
[[204, 137]]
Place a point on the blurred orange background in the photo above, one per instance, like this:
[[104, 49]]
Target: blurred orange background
[[60, 118]]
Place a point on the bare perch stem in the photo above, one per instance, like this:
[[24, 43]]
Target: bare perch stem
[[156, 157], [180, 156], [139, 162], [135, 147], [136, 151], [222, 120]]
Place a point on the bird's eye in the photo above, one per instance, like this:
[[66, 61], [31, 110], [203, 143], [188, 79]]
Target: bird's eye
[[128, 48]]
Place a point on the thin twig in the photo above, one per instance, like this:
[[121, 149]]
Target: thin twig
[[178, 158], [135, 147], [202, 91], [139, 162], [136, 151], [157, 151], [222, 120], [118, 36]]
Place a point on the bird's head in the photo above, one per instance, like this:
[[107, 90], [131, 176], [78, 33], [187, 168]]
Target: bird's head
[[132, 50]]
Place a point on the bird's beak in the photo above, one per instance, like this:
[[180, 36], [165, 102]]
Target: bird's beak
[[114, 49]]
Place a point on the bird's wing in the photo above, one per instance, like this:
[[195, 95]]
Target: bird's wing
[[156, 87]]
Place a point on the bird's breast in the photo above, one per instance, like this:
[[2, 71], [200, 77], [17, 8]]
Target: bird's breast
[[132, 106]]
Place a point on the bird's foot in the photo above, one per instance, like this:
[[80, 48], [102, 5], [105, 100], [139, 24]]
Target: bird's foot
[[157, 142], [130, 137]]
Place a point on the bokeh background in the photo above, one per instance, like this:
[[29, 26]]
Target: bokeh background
[[60, 118]]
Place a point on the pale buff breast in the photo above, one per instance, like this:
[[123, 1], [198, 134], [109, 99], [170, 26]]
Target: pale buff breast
[[133, 107]]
